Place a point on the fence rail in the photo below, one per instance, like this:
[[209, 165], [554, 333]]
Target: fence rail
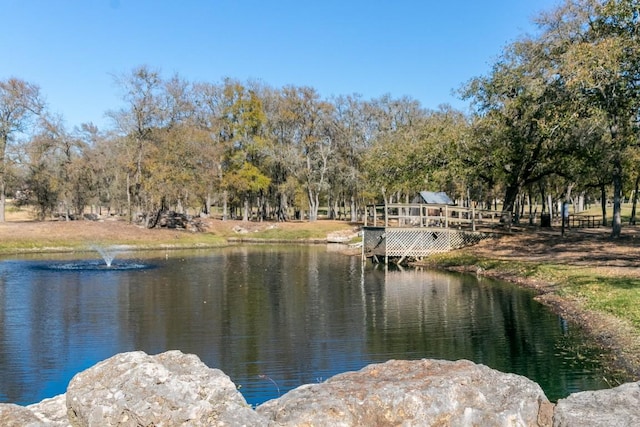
[[422, 215], [584, 221]]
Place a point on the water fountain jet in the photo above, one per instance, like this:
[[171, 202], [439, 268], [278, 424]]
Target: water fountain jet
[[108, 254], [106, 262]]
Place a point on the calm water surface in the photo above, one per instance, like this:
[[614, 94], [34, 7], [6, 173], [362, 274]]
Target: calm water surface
[[272, 318]]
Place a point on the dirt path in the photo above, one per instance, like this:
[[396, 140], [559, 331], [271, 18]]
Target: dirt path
[[588, 247]]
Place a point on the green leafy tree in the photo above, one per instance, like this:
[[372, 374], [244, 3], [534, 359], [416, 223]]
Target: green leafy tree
[[440, 136], [247, 182], [242, 132], [391, 163], [522, 116], [601, 66]]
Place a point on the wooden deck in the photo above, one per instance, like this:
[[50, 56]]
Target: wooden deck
[[400, 232]]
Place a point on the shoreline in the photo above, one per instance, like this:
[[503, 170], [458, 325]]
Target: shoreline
[[607, 332], [618, 337]]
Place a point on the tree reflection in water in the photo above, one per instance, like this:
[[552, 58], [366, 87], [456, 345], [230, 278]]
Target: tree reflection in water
[[283, 315]]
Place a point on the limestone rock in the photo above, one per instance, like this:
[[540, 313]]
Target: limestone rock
[[18, 416], [618, 407], [52, 411], [169, 389], [240, 230], [410, 393]]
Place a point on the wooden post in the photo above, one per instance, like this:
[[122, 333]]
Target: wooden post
[[386, 214], [473, 218], [366, 214], [446, 216]]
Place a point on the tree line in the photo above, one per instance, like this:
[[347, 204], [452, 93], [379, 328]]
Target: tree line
[[555, 119]]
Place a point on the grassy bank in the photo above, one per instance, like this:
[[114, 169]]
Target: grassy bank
[[43, 236]]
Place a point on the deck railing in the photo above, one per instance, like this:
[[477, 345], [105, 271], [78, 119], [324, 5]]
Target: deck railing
[[422, 215]]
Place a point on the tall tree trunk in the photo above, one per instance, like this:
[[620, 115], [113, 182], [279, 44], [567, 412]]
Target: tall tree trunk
[[616, 225], [313, 205], [581, 202], [331, 212], [510, 197], [568, 197], [225, 206], [263, 207], [632, 220], [129, 208], [384, 197], [245, 209], [283, 207], [3, 198], [603, 203], [4, 138], [353, 209], [207, 208]]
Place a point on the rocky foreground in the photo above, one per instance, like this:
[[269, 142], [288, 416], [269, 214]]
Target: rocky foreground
[[176, 389]]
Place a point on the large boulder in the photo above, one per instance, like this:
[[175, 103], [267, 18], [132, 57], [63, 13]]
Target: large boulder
[[425, 393], [135, 389], [18, 416], [48, 413], [619, 407], [168, 389], [52, 411]]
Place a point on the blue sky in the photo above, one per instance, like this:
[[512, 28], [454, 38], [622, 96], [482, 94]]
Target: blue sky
[[423, 49]]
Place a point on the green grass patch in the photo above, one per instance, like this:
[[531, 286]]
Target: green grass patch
[[619, 296], [309, 231], [279, 234], [71, 243]]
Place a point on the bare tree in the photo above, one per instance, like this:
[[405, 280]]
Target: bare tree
[[314, 135], [19, 102], [141, 91]]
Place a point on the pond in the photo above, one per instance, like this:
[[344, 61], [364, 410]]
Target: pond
[[271, 317]]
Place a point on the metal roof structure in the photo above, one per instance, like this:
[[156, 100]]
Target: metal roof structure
[[433, 198]]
